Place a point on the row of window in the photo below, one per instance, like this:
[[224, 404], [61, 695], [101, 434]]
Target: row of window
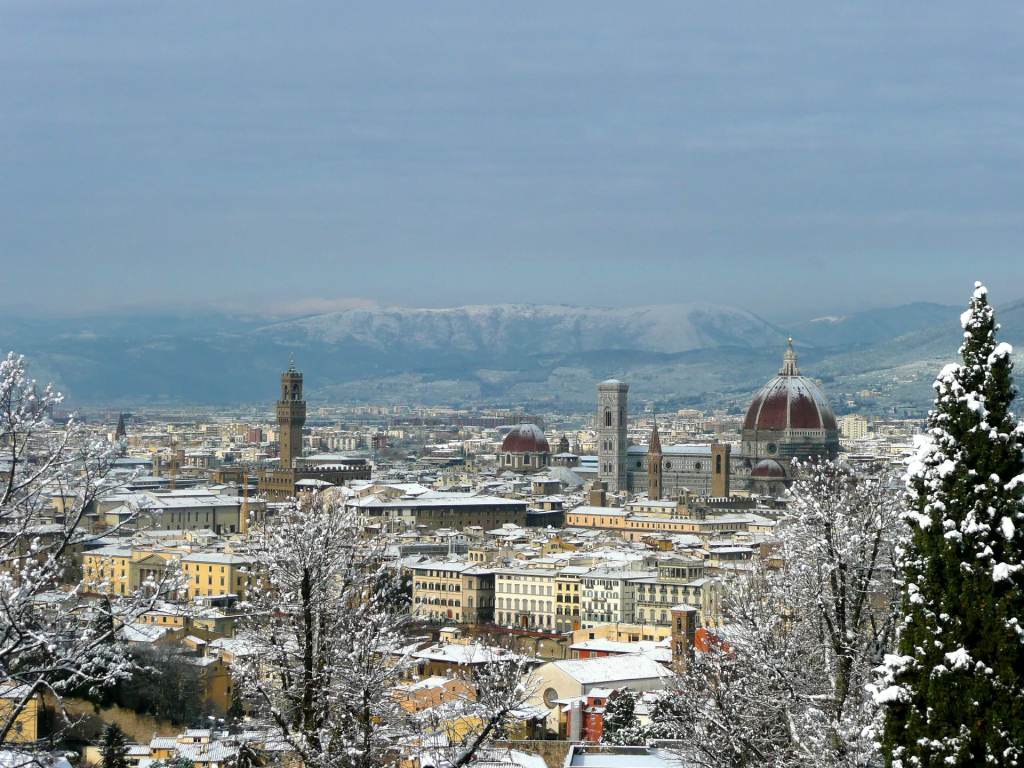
[[527, 605], [209, 568], [438, 587], [441, 601], [527, 460], [509, 619], [503, 587], [240, 581], [461, 511]]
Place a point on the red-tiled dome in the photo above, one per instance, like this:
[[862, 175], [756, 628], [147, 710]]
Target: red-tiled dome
[[525, 438], [768, 468], [790, 401]]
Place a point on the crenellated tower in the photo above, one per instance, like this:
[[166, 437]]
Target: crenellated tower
[[291, 416]]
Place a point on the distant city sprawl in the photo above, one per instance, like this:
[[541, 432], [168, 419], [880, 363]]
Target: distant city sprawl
[[367, 586]]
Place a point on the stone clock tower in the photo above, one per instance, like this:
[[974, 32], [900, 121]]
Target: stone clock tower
[[291, 416]]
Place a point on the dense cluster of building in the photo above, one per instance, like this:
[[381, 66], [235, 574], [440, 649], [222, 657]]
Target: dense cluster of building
[[605, 556]]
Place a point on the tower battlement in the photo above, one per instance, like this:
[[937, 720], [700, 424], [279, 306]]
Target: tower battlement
[[291, 416]]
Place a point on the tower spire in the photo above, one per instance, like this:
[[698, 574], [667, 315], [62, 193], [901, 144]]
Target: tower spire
[[119, 431], [789, 366], [655, 441], [654, 464]]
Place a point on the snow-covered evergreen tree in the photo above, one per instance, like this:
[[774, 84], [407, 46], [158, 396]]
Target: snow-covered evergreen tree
[[954, 692], [113, 747], [621, 725]]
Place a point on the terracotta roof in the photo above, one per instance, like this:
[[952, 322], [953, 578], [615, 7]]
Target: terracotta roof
[[790, 401], [525, 438], [768, 468]]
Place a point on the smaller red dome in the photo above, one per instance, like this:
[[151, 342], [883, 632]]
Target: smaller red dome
[[768, 468], [525, 438]]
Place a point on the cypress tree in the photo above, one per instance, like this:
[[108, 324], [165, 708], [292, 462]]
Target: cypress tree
[[113, 747], [953, 694]]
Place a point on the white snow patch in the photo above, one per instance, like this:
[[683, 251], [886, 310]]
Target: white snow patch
[[1002, 571], [959, 658], [892, 693], [1002, 350]]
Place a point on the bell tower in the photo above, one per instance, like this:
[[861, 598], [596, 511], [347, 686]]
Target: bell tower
[[654, 464], [611, 434], [291, 416], [720, 470]]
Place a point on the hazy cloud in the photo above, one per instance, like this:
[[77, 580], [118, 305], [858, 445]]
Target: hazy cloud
[[787, 157]]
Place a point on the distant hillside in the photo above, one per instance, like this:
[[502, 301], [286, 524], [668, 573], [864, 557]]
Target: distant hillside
[[874, 325], [525, 329], [503, 354], [937, 344]]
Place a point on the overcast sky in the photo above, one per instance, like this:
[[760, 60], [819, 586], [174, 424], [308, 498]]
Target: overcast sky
[[787, 158]]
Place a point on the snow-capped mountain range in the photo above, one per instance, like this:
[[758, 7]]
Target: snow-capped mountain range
[[531, 329], [494, 354]]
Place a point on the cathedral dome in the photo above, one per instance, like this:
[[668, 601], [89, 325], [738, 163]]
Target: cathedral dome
[[525, 438], [768, 469], [790, 401], [789, 418]]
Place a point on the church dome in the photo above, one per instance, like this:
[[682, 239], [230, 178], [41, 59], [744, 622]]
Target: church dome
[[790, 401], [768, 469], [525, 438]]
